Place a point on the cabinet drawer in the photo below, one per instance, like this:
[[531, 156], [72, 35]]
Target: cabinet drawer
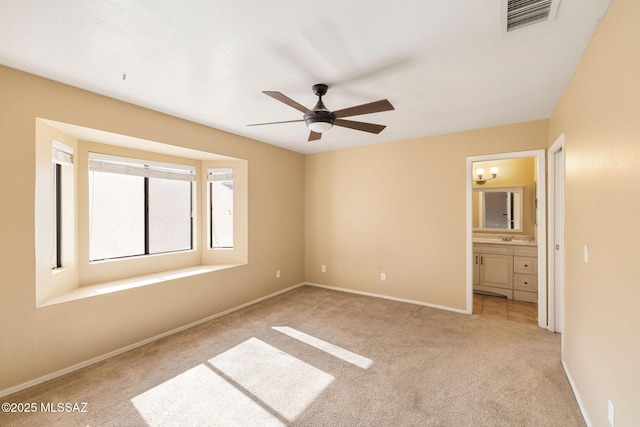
[[525, 265], [528, 251], [525, 282], [488, 248]]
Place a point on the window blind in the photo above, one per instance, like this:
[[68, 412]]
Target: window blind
[[61, 153], [219, 174], [128, 166]]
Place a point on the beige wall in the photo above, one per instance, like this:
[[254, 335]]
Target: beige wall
[[38, 341], [599, 114], [400, 208]]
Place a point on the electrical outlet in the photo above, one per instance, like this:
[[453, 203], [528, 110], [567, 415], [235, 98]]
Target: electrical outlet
[[277, 274], [324, 268], [611, 414], [383, 277]]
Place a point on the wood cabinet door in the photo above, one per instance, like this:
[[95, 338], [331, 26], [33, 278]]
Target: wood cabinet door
[[496, 270]]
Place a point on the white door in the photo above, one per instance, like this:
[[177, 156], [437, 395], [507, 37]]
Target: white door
[[556, 235], [558, 225]]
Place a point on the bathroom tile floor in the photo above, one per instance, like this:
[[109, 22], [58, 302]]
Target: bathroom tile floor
[[507, 309]]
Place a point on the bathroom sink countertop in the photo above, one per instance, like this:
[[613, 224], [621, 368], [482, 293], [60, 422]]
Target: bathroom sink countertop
[[499, 241]]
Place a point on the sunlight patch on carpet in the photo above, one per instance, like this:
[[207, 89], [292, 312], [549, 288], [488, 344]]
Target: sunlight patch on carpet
[[199, 396], [284, 383], [332, 349]]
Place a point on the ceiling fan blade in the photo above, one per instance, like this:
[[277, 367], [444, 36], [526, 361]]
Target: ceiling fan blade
[[366, 127], [276, 123], [285, 99], [314, 136], [372, 107]]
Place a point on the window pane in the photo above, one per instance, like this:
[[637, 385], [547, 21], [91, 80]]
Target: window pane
[[56, 261], [221, 199], [169, 215], [116, 215]]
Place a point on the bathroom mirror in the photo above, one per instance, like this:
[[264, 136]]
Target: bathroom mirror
[[497, 208]]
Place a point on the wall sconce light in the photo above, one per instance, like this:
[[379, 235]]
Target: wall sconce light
[[481, 179]]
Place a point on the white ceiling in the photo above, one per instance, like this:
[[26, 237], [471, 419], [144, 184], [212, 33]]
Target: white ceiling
[[445, 65]]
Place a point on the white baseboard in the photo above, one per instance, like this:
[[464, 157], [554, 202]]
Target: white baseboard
[[100, 358], [576, 394], [369, 294]]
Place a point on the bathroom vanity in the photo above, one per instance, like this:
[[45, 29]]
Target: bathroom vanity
[[508, 268]]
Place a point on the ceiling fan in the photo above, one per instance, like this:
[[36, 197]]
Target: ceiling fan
[[320, 119]]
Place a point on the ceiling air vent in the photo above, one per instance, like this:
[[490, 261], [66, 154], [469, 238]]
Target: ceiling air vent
[[521, 13]]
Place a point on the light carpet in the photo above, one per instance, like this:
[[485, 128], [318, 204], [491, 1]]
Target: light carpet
[[316, 357]]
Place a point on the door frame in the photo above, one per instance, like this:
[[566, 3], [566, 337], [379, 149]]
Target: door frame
[[541, 225], [556, 304]]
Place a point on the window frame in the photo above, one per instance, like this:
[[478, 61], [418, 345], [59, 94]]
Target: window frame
[[210, 181], [61, 158], [152, 169]]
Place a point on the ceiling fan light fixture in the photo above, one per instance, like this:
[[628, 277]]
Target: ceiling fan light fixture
[[320, 127]]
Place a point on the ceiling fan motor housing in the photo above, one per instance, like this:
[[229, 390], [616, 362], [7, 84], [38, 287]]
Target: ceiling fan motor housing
[[319, 116]]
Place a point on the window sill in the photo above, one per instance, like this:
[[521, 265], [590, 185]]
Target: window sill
[[133, 282]]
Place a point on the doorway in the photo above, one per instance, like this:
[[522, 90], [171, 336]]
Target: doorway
[[540, 225]]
